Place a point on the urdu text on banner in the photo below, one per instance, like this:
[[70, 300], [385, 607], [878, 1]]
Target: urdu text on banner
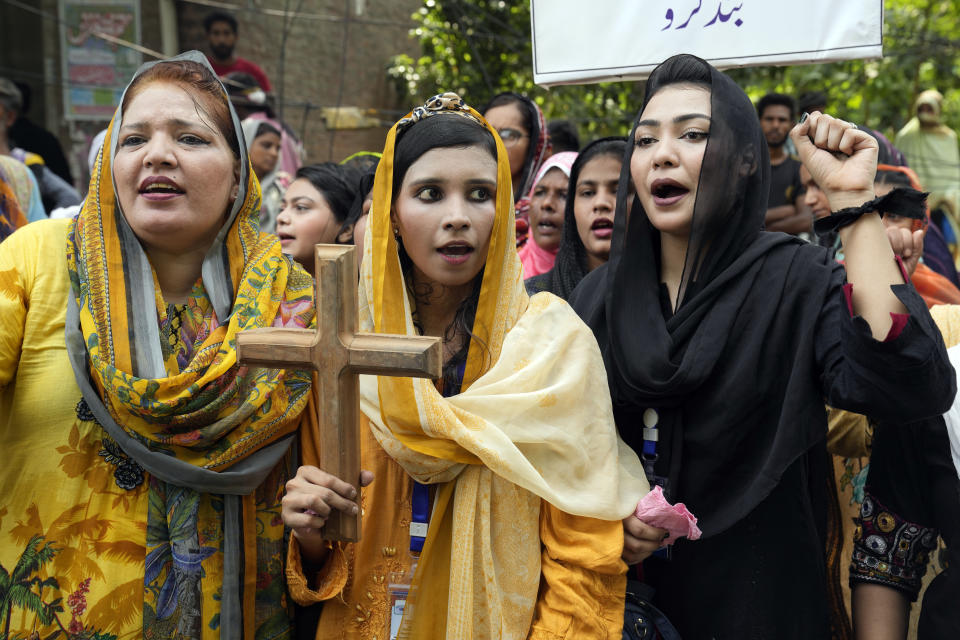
[[605, 40]]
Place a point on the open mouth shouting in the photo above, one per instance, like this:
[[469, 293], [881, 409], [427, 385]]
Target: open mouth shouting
[[456, 252], [160, 188], [667, 192], [602, 228]]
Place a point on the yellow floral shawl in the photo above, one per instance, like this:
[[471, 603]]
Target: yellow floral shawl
[[212, 401], [210, 427], [533, 422]]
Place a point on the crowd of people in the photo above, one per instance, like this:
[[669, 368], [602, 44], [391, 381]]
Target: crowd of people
[[741, 308]]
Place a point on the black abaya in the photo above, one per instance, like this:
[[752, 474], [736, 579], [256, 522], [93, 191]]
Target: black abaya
[[738, 376]]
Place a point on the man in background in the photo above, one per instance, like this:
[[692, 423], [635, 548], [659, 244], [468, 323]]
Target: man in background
[[785, 209], [222, 37], [930, 147]]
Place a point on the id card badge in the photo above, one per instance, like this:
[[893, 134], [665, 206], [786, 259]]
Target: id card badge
[[399, 589]]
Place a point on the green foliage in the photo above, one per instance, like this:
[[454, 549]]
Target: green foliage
[[921, 48], [16, 586], [481, 47]]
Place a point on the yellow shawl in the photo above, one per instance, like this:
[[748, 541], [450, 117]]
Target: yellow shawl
[[211, 427], [533, 422]]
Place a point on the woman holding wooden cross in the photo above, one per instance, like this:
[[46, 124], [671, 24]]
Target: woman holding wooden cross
[[497, 494]]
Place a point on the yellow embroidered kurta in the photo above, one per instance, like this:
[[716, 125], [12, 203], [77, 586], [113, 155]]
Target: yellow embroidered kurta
[[581, 590], [59, 496]]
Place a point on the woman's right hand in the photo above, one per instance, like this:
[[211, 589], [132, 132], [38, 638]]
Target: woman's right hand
[[640, 539], [311, 497]]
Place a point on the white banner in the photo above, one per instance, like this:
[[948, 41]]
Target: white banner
[[577, 42]]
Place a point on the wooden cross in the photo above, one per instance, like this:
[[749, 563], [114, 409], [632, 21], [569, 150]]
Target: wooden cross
[[338, 353]]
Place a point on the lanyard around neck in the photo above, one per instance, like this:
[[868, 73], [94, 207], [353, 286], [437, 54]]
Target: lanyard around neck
[[420, 513]]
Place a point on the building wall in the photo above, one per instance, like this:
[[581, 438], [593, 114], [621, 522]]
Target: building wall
[[315, 74], [30, 53]]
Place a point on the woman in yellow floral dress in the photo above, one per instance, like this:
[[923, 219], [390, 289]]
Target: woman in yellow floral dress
[[143, 468]]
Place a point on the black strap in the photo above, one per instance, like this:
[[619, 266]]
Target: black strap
[[902, 201]]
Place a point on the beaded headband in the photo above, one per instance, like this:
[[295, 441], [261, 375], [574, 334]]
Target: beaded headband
[[448, 102]]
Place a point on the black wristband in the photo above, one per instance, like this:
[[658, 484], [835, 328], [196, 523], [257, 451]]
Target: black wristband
[[902, 201]]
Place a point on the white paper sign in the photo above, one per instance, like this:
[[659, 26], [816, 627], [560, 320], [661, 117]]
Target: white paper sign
[[577, 42]]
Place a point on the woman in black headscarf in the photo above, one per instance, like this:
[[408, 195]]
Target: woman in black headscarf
[[596, 209], [722, 343]]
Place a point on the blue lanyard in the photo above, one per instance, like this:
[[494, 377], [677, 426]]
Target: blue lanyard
[[420, 516], [651, 435]]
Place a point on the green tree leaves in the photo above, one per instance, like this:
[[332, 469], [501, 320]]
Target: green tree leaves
[[481, 47]]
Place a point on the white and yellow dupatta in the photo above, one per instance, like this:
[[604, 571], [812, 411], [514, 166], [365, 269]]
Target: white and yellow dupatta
[[533, 422]]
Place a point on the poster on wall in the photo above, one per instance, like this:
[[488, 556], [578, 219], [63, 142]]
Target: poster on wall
[[627, 39], [95, 71]]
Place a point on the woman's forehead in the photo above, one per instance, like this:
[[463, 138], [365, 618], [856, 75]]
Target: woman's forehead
[[604, 166], [451, 162], [676, 100], [553, 175], [505, 114], [161, 102]]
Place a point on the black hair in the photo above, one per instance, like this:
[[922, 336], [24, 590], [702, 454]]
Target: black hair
[[614, 147], [26, 94], [509, 97], [264, 129], [678, 70], [894, 178], [333, 182], [776, 100], [364, 185], [219, 16], [437, 132], [361, 162], [570, 266], [531, 122], [563, 136], [441, 132], [810, 99]]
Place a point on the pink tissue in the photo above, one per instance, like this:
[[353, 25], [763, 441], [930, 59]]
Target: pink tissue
[[655, 511]]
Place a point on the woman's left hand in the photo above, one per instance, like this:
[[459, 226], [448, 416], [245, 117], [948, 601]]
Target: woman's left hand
[[640, 539], [840, 158]]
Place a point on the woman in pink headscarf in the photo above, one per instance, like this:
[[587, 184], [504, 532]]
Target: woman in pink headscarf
[[547, 197]]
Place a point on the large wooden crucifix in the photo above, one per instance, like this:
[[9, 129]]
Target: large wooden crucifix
[[338, 353]]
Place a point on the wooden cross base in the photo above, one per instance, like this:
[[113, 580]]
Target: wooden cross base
[[339, 354]]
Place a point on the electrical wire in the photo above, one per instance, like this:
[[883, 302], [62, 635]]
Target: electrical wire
[[96, 34]]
